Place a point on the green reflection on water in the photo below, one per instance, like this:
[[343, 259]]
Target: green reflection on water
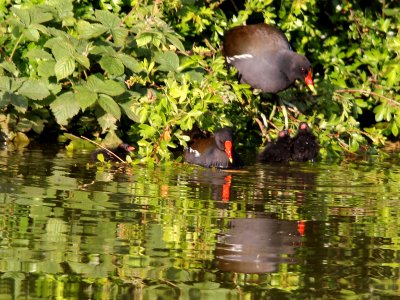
[[71, 230]]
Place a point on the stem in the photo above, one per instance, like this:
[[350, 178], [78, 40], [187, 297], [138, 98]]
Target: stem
[[15, 48], [369, 93]]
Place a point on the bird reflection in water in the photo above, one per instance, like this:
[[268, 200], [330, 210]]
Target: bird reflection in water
[[258, 245]]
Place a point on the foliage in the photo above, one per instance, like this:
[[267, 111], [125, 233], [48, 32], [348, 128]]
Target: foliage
[[149, 71]]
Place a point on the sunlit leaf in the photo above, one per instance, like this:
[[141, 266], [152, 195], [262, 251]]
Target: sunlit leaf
[[112, 65], [65, 107], [109, 105], [169, 61], [64, 67], [34, 89]]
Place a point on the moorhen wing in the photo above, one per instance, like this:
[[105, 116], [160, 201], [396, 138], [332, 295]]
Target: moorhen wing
[[264, 58], [216, 151], [122, 151], [304, 145], [279, 150]]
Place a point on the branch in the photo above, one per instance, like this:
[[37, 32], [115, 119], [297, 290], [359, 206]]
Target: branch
[[368, 93], [105, 149]]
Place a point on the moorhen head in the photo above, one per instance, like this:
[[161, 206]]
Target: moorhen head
[[279, 150], [264, 58], [304, 145], [122, 151], [217, 151]]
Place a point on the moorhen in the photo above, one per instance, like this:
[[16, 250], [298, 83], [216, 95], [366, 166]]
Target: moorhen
[[122, 151], [264, 58], [304, 145], [279, 150], [216, 151]]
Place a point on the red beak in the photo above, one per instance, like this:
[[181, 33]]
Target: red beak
[[309, 81], [228, 150]]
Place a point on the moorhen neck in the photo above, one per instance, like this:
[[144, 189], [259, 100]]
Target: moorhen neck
[[264, 59], [279, 150], [304, 145], [122, 151], [217, 151]]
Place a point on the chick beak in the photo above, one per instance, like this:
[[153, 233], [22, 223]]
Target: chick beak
[[228, 150], [310, 83]]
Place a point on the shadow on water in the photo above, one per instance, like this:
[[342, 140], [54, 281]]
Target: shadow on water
[[86, 231]]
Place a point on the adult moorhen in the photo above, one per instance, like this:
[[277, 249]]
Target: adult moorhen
[[304, 145], [216, 151], [121, 151], [264, 58], [279, 150]]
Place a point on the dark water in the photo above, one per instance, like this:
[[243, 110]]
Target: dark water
[[70, 230]]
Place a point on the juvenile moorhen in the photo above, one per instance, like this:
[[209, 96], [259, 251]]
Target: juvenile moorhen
[[264, 58], [304, 145], [217, 151], [122, 150], [279, 150]]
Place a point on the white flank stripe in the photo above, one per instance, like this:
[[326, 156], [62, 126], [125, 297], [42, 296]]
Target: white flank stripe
[[236, 57]]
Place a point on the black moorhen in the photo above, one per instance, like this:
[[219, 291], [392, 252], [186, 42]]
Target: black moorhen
[[304, 145], [279, 150], [217, 151], [264, 59], [122, 150]]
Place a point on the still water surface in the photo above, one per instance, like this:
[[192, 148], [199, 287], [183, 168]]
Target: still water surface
[[71, 230]]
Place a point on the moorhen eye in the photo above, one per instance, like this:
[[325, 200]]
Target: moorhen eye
[[216, 151]]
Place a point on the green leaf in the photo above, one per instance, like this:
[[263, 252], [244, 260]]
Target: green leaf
[[84, 97], [64, 108], [23, 15], [109, 106], [169, 61], [107, 18], [174, 40], [31, 34], [128, 109], [395, 129], [147, 131], [87, 30], [82, 60], [119, 36], [112, 65], [46, 68], [109, 87], [143, 39], [5, 83], [107, 121], [64, 67], [130, 62], [37, 53], [34, 89]]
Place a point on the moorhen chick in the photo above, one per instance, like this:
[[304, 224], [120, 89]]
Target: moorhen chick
[[122, 151], [304, 145], [264, 58], [216, 151], [279, 150]]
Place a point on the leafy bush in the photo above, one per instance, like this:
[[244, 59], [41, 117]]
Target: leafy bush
[[149, 71]]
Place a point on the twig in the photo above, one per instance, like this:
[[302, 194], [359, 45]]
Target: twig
[[108, 151], [369, 93]]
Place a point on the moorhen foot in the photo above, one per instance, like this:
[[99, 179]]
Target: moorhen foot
[[217, 151], [279, 150], [122, 151], [264, 58], [304, 145]]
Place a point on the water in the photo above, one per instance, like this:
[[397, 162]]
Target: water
[[71, 230]]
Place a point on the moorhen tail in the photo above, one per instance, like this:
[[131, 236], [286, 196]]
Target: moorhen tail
[[122, 151], [304, 145], [264, 59], [217, 151], [279, 150]]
